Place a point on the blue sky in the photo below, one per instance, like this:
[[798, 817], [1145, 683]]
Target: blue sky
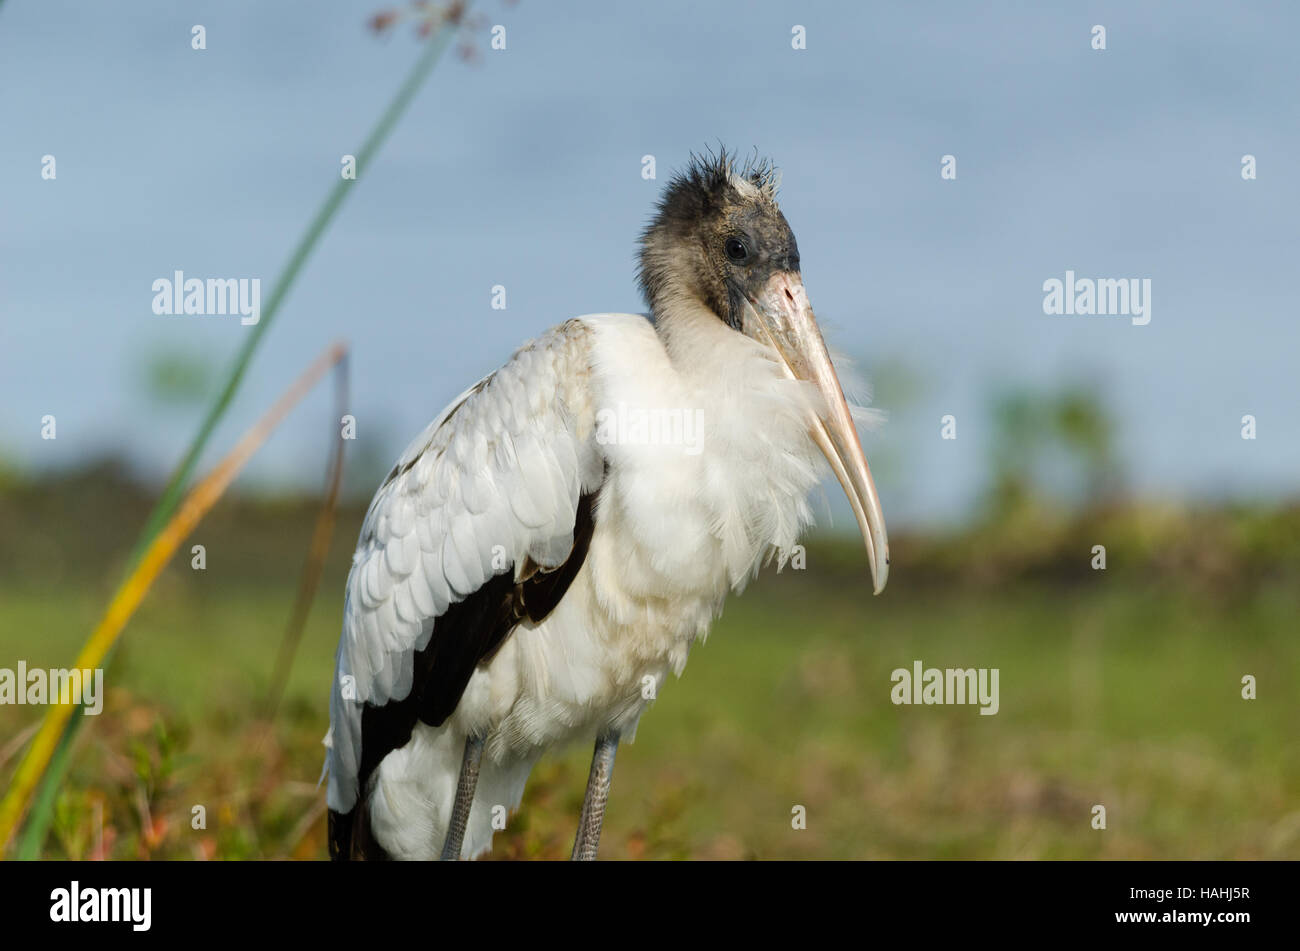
[[524, 170]]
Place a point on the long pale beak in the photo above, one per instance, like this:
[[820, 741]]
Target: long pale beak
[[782, 318]]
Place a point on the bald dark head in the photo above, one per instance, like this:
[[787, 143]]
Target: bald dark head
[[716, 237]]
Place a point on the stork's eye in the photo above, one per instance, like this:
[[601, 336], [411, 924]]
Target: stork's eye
[[736, 250]]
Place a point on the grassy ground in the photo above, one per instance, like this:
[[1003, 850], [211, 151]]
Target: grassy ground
[[1120, 688]]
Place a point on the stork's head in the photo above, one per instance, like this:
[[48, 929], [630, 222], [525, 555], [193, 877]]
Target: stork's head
[[719, 239]]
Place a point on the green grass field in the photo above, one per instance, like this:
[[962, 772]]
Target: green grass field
[[1120, 688]]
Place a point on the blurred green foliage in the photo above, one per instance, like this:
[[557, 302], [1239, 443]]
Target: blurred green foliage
[[1062, 439], [177, 378]]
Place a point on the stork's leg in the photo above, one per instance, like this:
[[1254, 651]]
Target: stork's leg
[[593, 804], [464, 798]]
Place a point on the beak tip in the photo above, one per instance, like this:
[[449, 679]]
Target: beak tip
[[880, 578]]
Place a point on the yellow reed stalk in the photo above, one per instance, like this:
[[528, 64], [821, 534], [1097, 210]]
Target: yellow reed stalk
[[128, 597]]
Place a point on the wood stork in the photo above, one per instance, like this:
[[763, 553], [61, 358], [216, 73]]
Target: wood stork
[[544, 554]]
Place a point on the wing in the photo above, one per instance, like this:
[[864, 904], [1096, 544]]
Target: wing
[[472, 531]]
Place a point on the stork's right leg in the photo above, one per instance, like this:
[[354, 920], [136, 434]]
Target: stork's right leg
[[593, 804], [465, 784]]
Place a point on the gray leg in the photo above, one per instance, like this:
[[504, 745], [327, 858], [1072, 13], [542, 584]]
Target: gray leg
[[593, 804], [464, 798]]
